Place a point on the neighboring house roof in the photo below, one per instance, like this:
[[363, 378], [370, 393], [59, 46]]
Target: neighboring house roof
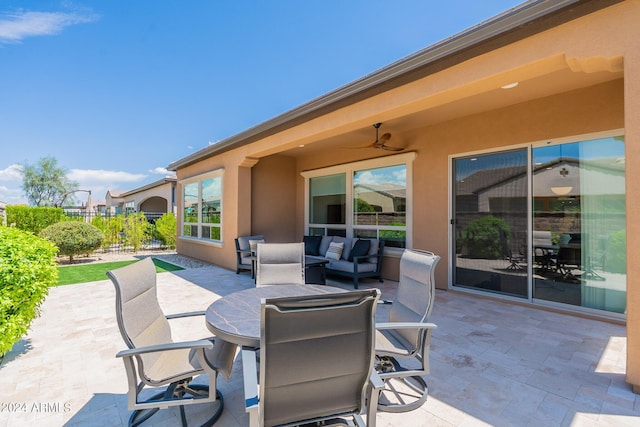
[[387, 189], [482, 180], [157, 183], [523, 21], [115, 193]]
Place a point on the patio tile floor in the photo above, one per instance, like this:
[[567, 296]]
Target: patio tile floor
[[492, 363]]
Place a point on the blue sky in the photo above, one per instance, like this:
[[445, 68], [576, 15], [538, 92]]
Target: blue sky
[[116, 90]]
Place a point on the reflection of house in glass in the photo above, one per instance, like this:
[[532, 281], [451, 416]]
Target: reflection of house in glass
[[385, 198]]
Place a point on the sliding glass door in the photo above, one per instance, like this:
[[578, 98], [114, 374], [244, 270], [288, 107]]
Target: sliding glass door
[[490, 223], [546, 224], [579, 224]]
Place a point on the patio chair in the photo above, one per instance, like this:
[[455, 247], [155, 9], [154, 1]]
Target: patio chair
[[154, 359], [316, 361], [280, 263], [244, 253], [407, 335], [507, 252]]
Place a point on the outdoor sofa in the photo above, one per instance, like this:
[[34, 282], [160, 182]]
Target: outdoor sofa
[[348, 257]]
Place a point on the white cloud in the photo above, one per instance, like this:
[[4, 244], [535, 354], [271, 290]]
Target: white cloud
[[99, 181], [367, 178], [103, 176], [14, 27], [160, 171], [11, 173], [12, 196]]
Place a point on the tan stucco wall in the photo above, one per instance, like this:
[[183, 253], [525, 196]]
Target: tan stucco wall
[[274, 200]]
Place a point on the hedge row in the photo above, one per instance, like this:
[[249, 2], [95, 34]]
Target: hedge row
[[27, 270]]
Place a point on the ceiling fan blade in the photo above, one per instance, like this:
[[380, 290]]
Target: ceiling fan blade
[[389, 148], [372, 145], [384, 138]]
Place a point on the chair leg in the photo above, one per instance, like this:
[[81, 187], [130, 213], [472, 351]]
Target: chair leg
[[402, 387], [178, 391]]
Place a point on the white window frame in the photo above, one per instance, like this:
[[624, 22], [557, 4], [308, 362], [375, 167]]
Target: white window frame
[[218, 173], [348, 169]]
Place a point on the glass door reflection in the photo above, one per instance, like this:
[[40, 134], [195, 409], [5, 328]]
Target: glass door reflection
[[490, 223], [579, 221]]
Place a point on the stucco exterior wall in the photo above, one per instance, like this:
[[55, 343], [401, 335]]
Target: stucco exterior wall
[[274, 202]]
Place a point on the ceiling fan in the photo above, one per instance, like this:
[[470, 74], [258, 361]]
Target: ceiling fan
[[381, 142]]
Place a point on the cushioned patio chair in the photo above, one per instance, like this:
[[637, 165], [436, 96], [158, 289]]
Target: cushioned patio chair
[[154, 359], [407, 335], [280, 263], [244, 252], [316, 360]]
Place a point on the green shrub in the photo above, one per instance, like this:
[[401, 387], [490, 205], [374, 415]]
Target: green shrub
[[481, 237], [166, 229], [136, 230], [33, 219], [73, 238], [27, 270]]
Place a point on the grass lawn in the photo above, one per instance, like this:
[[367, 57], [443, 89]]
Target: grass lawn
[[71, 274]]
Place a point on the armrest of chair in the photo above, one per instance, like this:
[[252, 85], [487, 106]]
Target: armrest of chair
[[375, 387], [250, 375], [204, 344], [187, 314], [406, 325]]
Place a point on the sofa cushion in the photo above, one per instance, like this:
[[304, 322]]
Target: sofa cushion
[[360, 248], [348, 267], [324, 245], [348, 244], [335, 250], [312, 245], [373, 250], [243, 241]]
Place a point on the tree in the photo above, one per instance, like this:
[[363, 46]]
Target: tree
[[46, 184]]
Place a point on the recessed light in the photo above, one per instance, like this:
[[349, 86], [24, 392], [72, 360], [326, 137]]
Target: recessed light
[[510, 85], [301, 145]]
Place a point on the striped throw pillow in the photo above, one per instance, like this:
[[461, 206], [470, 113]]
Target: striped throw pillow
[[335, 250]]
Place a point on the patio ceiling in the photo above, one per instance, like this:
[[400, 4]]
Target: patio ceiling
[[495, 98]]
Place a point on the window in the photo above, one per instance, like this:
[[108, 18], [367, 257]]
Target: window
[[368, 199], [202, 207]]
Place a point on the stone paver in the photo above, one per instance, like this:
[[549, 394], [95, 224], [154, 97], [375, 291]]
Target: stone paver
[[492, 363]]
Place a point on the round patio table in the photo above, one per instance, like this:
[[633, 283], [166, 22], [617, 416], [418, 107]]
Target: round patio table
[[235, 318]]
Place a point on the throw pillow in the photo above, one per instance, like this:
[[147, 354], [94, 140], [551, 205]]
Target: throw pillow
[[312, 245], [361, 248], [335, 251], [253, 245]]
